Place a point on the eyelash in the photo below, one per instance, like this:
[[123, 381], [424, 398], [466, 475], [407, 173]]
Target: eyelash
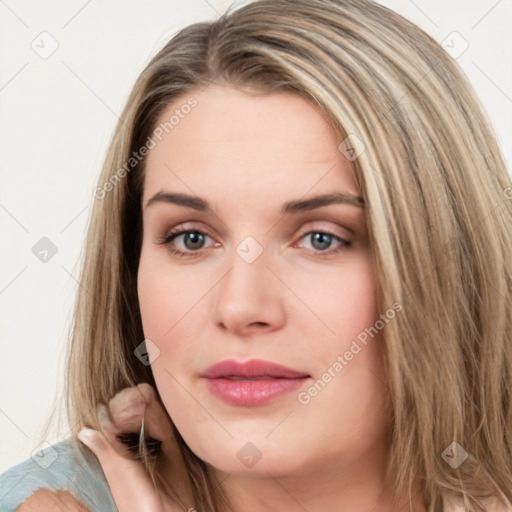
[[171, 235]]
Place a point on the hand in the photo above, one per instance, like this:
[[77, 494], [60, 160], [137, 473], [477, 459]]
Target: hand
[[128, 479]]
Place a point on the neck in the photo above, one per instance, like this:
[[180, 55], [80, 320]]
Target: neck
[[357, 486]]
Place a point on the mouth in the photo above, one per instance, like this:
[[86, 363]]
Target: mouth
[[251, 383], [261, 377], [252, 369]]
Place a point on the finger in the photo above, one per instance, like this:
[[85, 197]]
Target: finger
[[155, 417], [123, 417], [130, 405], [129, 482], [112, 433], [158, 426]]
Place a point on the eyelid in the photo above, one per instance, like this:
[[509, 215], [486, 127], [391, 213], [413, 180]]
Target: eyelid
[[188, 226], [181, 229], [334, 230], [304, 230], [344, 242]]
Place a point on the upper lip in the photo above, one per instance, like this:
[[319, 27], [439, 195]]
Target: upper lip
[[252, 368]]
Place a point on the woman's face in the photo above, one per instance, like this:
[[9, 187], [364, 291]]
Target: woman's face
[[269, 273]]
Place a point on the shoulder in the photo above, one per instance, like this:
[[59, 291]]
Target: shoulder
[[62, 475]]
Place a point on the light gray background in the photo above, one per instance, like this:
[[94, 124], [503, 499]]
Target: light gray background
[[56, 117]]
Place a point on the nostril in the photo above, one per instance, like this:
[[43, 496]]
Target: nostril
[[263, 324]]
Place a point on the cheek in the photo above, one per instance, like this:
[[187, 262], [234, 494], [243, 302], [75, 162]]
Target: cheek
[[166, 295], [341, 300], [174, 313]]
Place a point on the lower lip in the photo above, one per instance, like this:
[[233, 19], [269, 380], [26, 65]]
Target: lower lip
[[252, 392]]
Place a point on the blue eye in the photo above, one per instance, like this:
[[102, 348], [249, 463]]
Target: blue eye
[[322, 240], [194, 240]]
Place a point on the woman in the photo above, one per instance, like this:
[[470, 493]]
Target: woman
[[297, 279]]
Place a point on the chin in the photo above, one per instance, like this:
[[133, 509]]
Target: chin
[[256, 459]]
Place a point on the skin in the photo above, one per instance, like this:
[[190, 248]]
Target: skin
[[45, 500], [294, 305]]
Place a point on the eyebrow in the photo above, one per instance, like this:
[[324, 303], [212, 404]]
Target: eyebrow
[[290, 207]]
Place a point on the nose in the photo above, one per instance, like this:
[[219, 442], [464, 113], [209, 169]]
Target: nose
[[250, 299]]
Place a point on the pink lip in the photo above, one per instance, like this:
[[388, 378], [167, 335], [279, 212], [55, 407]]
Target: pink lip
[[251, 383]]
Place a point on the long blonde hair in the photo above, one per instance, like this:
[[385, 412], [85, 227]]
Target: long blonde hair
[[439, 217]]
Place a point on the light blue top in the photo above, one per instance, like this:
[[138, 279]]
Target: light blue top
[[58, 467]]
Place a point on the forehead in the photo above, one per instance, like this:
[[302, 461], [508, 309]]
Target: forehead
[[232, 140]]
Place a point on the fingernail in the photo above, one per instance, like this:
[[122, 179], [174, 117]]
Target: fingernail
[[87, 436]]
